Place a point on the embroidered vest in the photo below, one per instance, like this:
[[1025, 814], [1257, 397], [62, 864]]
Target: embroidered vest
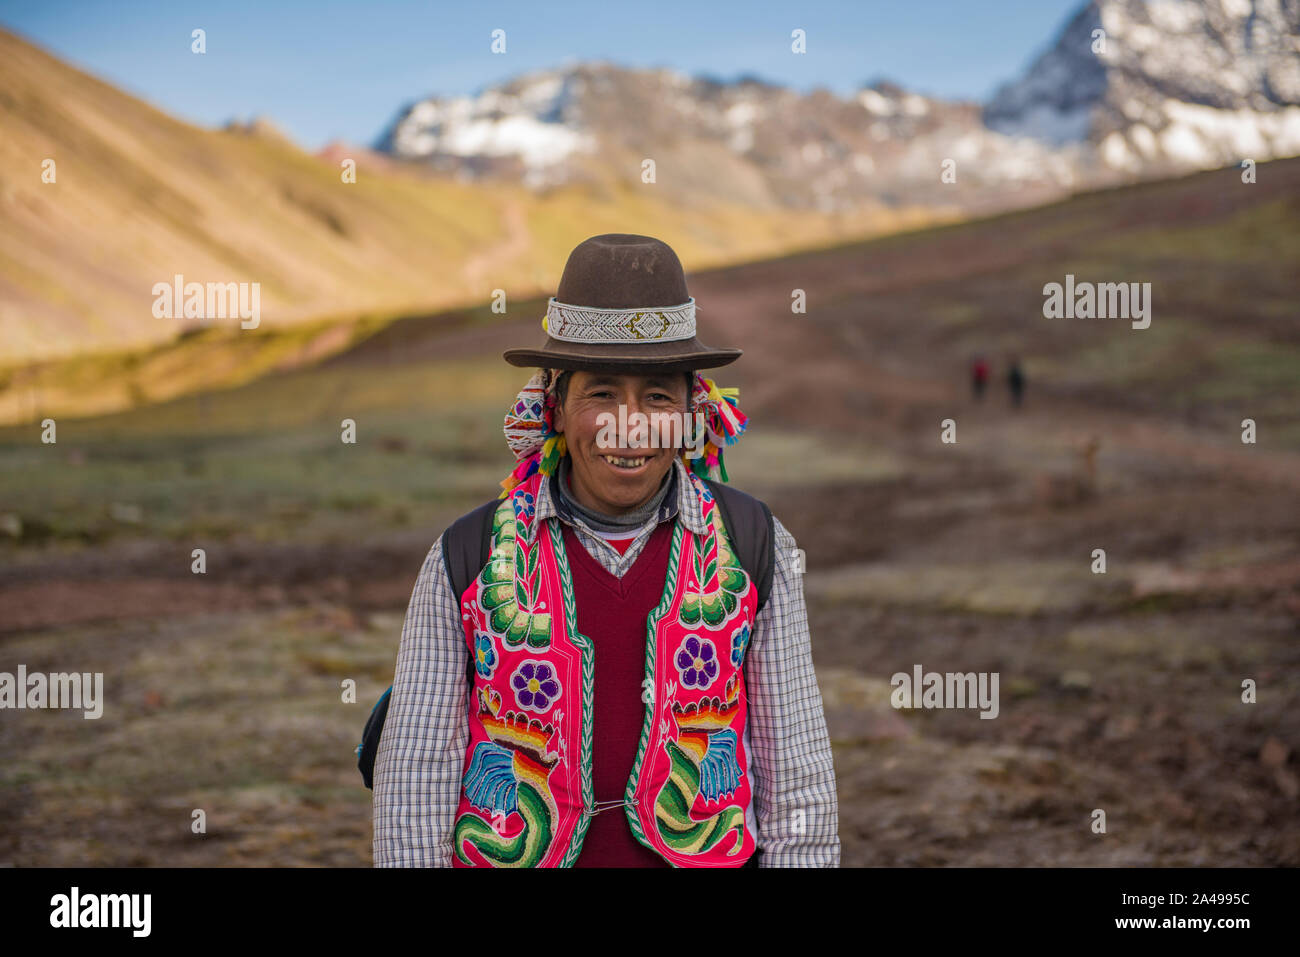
[[526, 794]]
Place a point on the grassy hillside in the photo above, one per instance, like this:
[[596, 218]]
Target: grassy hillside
[[139, 197]]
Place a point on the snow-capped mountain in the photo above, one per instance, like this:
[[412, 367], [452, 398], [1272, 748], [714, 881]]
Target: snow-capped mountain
[[1157, 85], [745, 141], [1130, 88], [530, 125]]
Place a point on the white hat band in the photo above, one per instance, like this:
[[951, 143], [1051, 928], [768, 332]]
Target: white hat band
[[587, 324]]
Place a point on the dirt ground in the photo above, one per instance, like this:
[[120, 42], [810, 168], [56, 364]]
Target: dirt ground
[[1119, 691]]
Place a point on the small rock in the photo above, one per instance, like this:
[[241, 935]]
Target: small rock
[[1287, 781], [1021, 687], [127, 514], [1076, 680], [1273, 754], [1119, 728]]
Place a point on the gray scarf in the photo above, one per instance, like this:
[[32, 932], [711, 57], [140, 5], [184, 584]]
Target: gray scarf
[[611, 523]]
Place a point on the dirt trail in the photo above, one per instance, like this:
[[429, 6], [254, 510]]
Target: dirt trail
[[518, 240]]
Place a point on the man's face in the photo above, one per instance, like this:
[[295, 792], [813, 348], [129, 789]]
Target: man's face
[[598, 481]]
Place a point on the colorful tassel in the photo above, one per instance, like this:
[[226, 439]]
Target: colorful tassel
[[724, 423]]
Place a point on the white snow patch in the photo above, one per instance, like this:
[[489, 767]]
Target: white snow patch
[[1141, 37], [1141, 137], [968, 148], [914, 105], [741, 114], [541, 93], [1235, 133], [1116, 154], [534, 142], [1112, 19], [873, 102], [741, 141], [424, 113], [1175, 16], [1183, 143]]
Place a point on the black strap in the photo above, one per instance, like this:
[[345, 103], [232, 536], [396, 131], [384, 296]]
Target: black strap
[[466, 546], [753, 534]]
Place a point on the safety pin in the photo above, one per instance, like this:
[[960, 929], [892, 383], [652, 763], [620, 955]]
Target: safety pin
[[598, 806]]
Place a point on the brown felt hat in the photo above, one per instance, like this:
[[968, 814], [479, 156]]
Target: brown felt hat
[[622, 304]]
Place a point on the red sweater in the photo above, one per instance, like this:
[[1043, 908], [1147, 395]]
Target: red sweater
[[612, 612]]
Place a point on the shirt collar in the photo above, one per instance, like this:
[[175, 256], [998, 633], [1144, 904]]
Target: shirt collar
[[686, 503]]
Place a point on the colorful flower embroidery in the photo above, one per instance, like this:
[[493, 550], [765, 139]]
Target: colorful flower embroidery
[[739, 641], [535, 685], [697, 662], [525, 506], [485, 654]]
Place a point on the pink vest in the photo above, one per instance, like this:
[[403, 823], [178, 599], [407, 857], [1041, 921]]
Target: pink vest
[[526, 795]]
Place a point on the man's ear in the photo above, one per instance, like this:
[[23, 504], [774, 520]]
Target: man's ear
[[557, 414]]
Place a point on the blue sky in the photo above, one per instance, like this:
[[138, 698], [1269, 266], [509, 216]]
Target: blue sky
[[323, 69]]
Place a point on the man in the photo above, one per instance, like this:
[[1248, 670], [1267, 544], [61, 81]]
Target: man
[[607, 692], [979, 377], [1016, 382]]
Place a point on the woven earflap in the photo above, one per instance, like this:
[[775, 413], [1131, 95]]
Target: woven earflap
[[528, 431]]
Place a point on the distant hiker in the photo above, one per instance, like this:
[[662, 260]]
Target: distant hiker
[[979, 377], [619, 637], [1016, 382]]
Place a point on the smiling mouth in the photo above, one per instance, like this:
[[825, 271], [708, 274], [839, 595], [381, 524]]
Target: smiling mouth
[[622, 462]]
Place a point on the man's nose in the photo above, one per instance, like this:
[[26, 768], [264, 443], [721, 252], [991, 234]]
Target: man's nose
[[633, 404]]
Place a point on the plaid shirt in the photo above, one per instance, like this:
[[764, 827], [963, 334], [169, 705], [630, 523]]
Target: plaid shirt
[[417, 777]]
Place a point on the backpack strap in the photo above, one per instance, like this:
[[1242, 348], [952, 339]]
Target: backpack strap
[[466, 545], [753, 534]]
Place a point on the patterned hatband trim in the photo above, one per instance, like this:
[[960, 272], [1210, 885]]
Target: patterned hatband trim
[[587, 324]]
